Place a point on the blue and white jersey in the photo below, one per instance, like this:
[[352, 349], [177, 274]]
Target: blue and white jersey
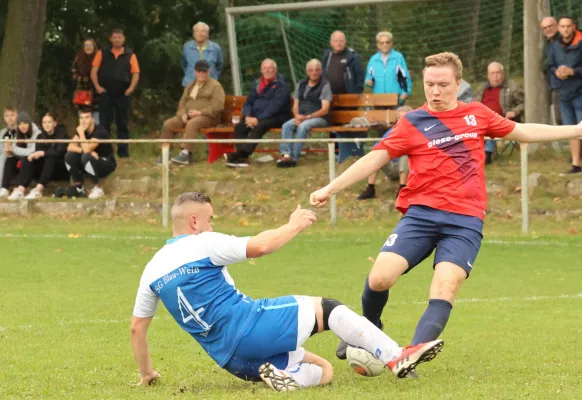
[[189, 275]]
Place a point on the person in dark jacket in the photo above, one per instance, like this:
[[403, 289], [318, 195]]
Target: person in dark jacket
[[268, 106], [115, 74], [46, 163], [342, 67], [565, 63], [549, 27], [16, 152]]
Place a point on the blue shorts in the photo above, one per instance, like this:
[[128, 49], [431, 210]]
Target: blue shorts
[[283, 325], [456, 238]]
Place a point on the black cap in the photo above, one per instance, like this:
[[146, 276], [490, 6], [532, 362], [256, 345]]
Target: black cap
[[201, 66]]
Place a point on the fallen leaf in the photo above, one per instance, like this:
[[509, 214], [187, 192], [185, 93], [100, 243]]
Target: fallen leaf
[[57, 250]]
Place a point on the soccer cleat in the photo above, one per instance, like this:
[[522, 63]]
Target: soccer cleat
[[276, 379], [412, 356], [16, 195]]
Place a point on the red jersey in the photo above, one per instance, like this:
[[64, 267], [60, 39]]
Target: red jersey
[[446, 151]]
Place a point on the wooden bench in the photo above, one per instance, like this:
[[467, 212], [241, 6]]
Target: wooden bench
[[376, 108]]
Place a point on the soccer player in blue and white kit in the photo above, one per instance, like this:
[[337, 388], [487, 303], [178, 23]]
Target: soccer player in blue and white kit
[[251, 339]]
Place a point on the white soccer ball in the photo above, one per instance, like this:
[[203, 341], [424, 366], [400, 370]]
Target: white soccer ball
[[363, 362]]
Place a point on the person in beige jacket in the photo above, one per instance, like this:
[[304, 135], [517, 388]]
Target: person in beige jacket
[[200, 107]]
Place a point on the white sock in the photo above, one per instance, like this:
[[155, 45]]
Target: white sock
[[359, 332], [305, 374]]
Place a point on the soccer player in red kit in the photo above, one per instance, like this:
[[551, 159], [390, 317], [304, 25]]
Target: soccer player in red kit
[[444, 201]]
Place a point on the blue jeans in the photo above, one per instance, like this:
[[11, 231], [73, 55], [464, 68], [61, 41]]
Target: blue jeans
[[289, 127], [571, 111], [490, 146]]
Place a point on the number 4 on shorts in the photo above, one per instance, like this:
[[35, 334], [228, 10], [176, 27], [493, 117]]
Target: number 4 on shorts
[[189, 314]]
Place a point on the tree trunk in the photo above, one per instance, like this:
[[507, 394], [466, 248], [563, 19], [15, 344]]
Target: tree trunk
[[473, 23], [21, 51], [508, 11]]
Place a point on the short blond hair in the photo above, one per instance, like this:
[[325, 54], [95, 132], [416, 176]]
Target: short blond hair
[[313, 61], [445, 60], [384, 34]]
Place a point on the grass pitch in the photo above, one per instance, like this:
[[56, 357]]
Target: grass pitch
[[67, 298]]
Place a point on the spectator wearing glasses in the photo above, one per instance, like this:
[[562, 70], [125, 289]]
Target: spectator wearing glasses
[[387, 71]]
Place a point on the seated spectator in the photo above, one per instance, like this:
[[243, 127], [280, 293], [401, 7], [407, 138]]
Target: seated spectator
[[402, 162], [84, 90], [93, 158], [267, 107], [8, 132], [16, 152], [387, 72], [505, 97], [310, 110], [201, 49], [199, 107], [46, 163]]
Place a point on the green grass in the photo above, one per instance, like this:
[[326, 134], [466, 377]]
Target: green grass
[[67, 298]]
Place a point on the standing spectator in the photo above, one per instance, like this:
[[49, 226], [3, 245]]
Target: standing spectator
[[387, 72], [343, 67], [46, 163], [465, 93], [199, 107], [267, 107], [115, 75], [550, 31], [310, 110], [565, 63], [8, 132], [85, 95], [505, 97], [16, 152], [201, 49], [94, 158], [401, 162]]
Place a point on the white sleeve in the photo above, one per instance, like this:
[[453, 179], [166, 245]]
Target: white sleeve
[[225, 249], [146, 302]]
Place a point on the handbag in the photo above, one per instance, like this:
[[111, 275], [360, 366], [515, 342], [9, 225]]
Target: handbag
[[83, 97]]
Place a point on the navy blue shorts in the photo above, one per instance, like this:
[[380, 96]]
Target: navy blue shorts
[[456, 238]]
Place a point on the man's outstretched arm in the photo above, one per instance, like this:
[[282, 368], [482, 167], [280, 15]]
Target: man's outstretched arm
[[361, 169], [533, 133], [139, 342]]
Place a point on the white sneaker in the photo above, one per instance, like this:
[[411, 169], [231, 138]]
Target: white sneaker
[[276, 379], [33, 195], [96, 193], [4, 192], [16, 195]]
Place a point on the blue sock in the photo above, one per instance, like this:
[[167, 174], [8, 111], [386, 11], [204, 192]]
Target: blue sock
[[433, 321], [373, 303]]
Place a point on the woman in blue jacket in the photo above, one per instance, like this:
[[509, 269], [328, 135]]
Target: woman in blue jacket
[[387, 71]]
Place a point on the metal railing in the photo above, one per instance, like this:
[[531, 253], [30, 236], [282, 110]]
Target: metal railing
[[165, 143]]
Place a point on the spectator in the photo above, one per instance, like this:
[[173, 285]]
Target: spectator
[[8, 132], [16, 152], [115, 75], [85, 95], [550, 30], [46, 163], [465, 93], [201, 49], [310, 110], [565, 64], [94, 158], [343, 67], [402, 162], [267, 107], [387, 72], [505, 97], [199, 107]]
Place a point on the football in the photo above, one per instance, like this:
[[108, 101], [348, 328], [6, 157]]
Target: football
[[363, 362]]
